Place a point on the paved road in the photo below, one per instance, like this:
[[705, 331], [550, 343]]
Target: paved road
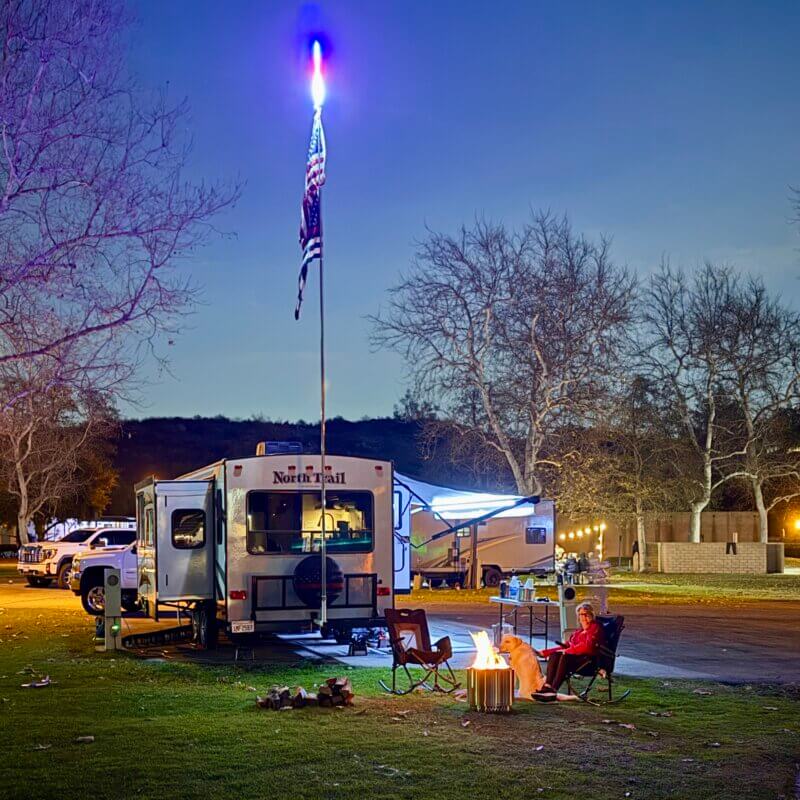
[[749, 642]]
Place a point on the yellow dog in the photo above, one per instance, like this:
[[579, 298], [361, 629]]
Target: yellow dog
[[526, 667]]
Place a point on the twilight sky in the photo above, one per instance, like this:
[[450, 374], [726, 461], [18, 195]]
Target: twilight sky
[[672, 127]]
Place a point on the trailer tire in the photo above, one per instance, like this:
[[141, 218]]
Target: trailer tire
[[39, 583], [130, 602], [492, 577], [341, 634], [64, 572], [204, 623]]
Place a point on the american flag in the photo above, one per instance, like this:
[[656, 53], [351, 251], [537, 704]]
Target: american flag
[[310, 214]]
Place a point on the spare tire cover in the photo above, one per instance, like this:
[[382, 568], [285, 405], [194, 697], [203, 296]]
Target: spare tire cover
[[307, 580]]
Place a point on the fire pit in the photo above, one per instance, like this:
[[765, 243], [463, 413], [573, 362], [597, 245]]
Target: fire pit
[[490, 681]]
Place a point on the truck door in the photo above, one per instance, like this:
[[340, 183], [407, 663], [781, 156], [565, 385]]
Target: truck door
[[184, 540]]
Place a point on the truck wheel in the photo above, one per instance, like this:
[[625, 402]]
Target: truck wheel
[[93, 599], [492, 577], [204, 623], [33, 580], [64, 573]]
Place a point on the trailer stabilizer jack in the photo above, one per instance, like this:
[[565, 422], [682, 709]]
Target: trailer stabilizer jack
[[179, 633]]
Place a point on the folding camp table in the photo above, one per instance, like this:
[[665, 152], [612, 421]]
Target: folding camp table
[[532, 617]]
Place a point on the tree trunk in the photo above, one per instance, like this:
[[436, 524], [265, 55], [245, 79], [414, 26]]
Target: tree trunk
[[23, 510], [763, 520], [694, 525], [640, 538], [22, 528]]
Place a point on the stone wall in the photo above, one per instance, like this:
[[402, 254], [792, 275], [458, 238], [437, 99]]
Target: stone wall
[[753, 558]]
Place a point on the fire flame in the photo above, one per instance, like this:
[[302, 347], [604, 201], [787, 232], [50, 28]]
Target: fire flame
[[486, 658]]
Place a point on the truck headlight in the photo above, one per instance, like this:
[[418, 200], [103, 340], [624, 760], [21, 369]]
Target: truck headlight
[[48, 554]]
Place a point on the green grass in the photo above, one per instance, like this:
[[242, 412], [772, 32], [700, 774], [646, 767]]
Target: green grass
[[628, 588], [183, 730]]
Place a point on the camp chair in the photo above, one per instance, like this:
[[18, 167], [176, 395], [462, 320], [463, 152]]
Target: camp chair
[[411, 644], [602, 664]]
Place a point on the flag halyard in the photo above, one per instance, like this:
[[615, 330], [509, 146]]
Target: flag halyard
[[311, 211]]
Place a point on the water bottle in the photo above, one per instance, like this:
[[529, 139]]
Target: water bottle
[[513, 587], [503, 589]]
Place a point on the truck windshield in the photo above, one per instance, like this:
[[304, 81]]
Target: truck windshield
[[78, 535], [291, 522]]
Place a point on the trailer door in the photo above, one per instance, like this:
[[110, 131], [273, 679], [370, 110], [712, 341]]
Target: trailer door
[[184, 540]]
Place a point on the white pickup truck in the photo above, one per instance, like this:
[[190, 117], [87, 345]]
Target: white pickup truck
[[87, 579], [43, 562]]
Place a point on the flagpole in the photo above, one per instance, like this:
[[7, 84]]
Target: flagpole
[[311, 240], [323, 594]]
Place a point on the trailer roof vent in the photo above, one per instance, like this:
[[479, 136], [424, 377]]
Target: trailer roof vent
[[279, 448]]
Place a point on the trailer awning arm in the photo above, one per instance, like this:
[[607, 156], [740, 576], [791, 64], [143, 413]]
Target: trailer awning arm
[[532, 499], [425, 504]]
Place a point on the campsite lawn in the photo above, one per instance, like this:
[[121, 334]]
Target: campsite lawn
[[627, 588], [181, 729]]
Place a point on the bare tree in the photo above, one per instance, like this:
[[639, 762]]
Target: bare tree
[[760, 343], [94, 211], [45, 439], [629, 460], [512, 337], [682, 322]]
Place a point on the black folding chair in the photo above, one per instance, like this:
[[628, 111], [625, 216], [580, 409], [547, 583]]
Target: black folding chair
[[602, 665], [411, 644]]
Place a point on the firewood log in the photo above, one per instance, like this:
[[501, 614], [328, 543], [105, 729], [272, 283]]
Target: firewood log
[[300, 698]]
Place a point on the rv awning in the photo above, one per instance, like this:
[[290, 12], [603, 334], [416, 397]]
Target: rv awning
[[456, 504]]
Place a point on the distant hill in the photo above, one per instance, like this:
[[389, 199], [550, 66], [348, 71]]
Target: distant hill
[[170, 446]]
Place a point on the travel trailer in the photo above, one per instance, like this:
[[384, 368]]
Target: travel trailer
[[443, 529], [237, 542]]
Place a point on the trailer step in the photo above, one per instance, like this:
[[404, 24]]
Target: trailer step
[[180, 633]]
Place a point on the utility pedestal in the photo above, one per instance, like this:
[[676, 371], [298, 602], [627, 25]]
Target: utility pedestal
[[566, 608], [112, 612]]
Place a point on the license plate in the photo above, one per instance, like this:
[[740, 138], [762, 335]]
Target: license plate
[[243, 626]]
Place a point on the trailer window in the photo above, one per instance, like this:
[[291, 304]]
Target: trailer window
[[188, 529], [291, 522], [535, 535]]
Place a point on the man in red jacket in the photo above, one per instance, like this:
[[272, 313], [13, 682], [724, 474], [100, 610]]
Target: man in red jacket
[[562, 661]]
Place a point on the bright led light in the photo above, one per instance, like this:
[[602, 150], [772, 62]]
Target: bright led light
[[571, 535], [580, 534], [562, 536], [602, 526], [317, 81], [468, 505]]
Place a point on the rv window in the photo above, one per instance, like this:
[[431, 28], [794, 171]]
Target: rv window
[[149, 526], [535, 535], [140, 516], [291, 522], [188, 529]]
